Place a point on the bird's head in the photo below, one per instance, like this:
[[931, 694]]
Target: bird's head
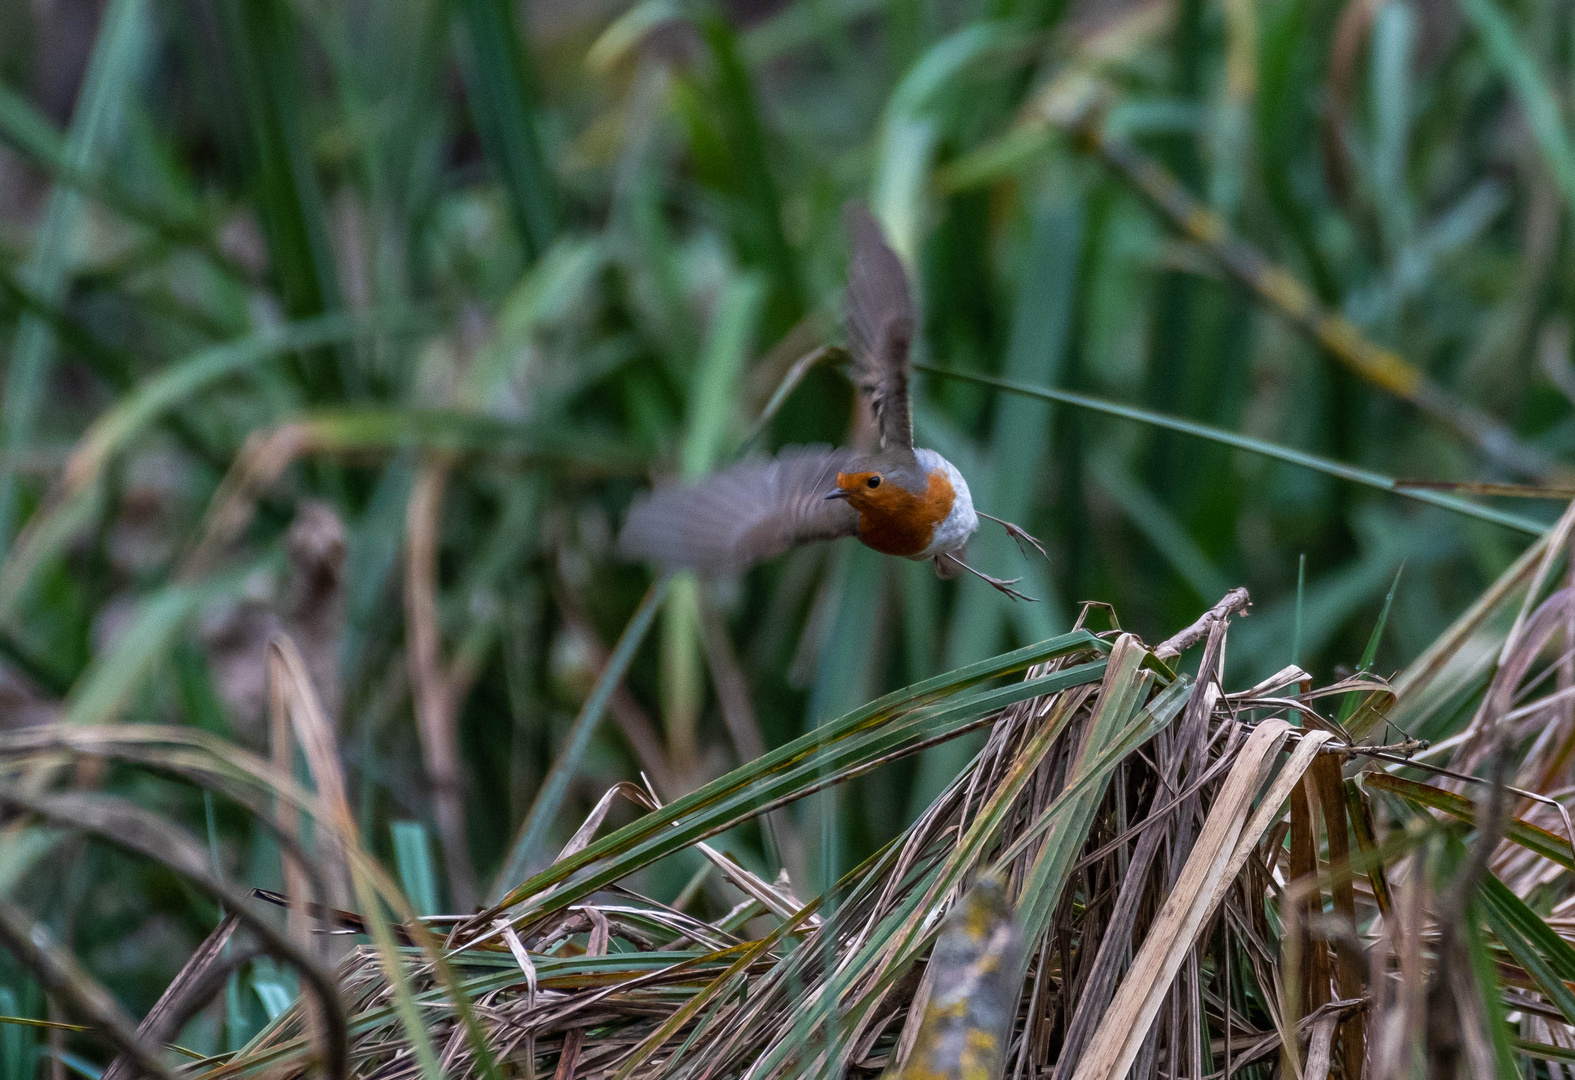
[[864, 491]]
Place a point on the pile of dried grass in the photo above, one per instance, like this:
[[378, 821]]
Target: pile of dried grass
[[1206, 881]]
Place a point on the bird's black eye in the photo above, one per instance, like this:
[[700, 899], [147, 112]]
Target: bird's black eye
[[873, 482]]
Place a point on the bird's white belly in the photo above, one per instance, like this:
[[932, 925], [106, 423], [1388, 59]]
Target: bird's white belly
[[951, 534]]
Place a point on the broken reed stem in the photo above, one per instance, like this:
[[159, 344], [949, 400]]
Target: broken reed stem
[[1233, 602]]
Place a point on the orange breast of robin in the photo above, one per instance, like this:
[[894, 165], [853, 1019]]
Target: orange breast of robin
[[896, 521]]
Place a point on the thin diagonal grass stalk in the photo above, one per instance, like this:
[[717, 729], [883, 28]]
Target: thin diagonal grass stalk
[[1365, 477]]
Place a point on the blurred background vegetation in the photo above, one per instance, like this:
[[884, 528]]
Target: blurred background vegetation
[[364, 319]]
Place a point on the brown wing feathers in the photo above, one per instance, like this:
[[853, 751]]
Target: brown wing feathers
[[880, 322], [745, 514], [759, 508]]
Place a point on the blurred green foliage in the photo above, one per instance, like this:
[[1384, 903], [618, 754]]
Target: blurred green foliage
[[551, 252]]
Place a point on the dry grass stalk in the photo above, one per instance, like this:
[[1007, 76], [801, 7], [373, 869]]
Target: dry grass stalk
[[259, 465], [430, 680]]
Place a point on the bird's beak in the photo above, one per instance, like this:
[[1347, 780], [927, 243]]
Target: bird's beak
[[836, 493]]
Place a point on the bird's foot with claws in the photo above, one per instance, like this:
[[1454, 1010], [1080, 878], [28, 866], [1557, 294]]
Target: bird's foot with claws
[[1017, 533], [995, 582]]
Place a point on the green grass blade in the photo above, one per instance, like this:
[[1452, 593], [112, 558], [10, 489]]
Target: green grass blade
[[30, 134], [757, 220], [1534, 945], [1531, 837], [897, 943], [371, 555], [708, 423], [1343, 594], [118, 55], [713, 397], [200, 704], [116, 674], [373, 428], [24, 848], [1391, 65], [1021, 433], [18, 1044], [898, 718], [1485, 968], [561, 281], [844, 680], [112, 364], [544, 810], [50, 530], [413, 860], [503, 106], [1121, 696], [1365, 477], [1369, 654], [1301, 597], [395, 970], [1005, 483], [263, 62], [901, 941], [185, 378], [1506, 52], [798, 25], [910, 134]]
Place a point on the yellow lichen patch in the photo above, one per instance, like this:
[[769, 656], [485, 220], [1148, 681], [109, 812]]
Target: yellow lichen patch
[[980, 920], [950, 1011], [980, 1057], [975, 989], [1380, 365], [1282, 289], [1204, 226]]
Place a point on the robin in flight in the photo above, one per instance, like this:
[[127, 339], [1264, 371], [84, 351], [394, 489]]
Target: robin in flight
[[901, 500]]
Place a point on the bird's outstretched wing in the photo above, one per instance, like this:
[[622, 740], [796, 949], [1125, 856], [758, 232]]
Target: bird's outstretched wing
[[880, 326], [745, 514]]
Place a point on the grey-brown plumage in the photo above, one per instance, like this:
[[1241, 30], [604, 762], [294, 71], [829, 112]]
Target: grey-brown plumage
[[900, 500], [748, 513], [881, 323], [759, 508]]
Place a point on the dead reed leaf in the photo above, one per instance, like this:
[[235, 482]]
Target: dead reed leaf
[[1229, 834]]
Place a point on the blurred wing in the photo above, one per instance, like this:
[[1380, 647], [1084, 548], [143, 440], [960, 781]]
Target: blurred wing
[[880, 326], [745, 514]]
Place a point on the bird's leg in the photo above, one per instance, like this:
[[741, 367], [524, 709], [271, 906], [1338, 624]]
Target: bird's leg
[[946, 567], [1017, 533], [1003, 586]]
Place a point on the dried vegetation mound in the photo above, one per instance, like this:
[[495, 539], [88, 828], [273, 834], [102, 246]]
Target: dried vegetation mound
[[1178, 878]]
